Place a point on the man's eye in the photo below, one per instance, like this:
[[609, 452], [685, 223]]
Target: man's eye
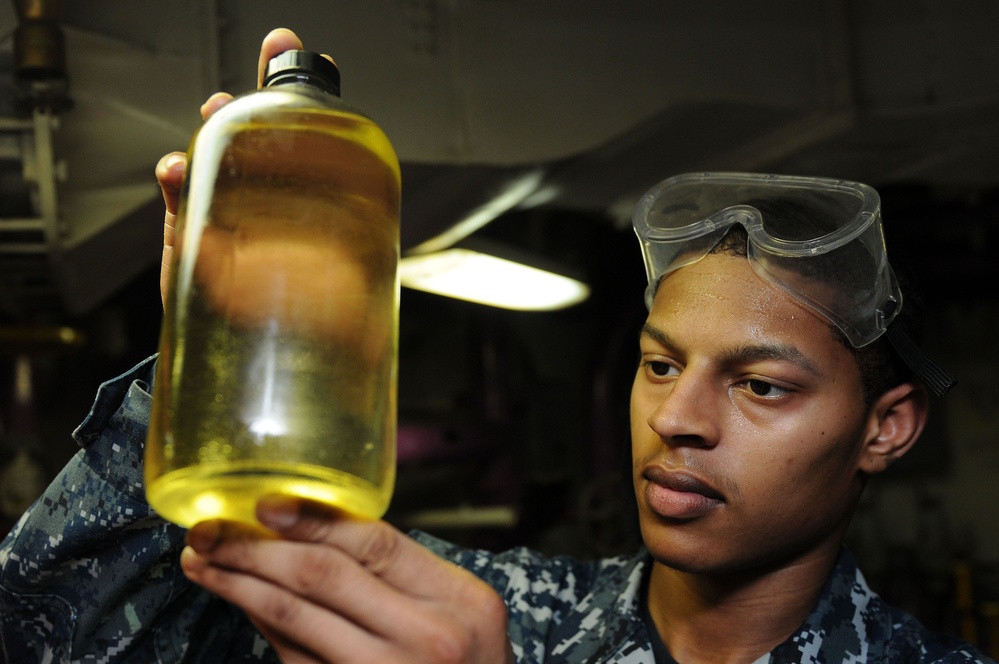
[[660, 368], [764, 389]]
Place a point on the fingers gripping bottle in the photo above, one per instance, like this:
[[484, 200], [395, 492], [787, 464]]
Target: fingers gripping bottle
[[278, 351]]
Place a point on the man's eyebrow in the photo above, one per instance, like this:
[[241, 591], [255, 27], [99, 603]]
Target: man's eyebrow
[[746, 354], [765, 352], [657, 335]]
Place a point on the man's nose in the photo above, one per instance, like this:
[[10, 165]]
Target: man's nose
[[690, 412]]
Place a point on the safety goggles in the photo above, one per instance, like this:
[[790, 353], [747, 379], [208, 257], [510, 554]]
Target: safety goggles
[[819, 239]]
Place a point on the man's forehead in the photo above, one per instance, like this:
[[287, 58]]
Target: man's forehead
[[721, 297], [724, 278]]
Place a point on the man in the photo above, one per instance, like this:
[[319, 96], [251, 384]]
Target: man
[[766, 395]]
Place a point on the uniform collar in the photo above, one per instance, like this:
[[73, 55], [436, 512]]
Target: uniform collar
[[848, 622]]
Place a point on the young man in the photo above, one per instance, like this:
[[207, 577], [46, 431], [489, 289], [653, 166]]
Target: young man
[[767, 394]]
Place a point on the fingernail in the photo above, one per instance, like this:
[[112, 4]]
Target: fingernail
[[204, 536], [170, 162], [214, 103], [173, 160], [278, 512]]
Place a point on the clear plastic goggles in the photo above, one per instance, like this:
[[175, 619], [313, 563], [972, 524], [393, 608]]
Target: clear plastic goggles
[[819, 239]]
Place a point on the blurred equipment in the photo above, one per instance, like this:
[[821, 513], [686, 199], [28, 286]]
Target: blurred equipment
[[40, 55], [82, 123], [29, 221], [22, 476], [25, 463]]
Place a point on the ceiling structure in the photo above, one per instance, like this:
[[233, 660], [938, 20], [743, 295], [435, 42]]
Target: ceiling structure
[[500, 106]]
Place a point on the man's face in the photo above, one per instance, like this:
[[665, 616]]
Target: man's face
[[747, 423]]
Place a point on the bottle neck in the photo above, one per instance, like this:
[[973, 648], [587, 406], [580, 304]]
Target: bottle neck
[[304, 78]]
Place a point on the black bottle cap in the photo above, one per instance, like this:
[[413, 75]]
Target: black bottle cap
[[303, 67]]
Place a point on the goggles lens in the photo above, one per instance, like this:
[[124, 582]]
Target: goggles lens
[[819, 239]]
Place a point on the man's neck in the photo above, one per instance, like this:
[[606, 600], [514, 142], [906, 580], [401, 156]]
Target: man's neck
[[734, 618]]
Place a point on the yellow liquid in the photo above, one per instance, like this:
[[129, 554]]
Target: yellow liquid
[[195, 494], [277, 368]]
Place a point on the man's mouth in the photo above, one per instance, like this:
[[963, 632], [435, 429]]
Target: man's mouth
[[678, 494]]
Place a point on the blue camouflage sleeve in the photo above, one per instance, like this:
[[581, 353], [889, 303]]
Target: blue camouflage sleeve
[[90, 573], [543, 595]]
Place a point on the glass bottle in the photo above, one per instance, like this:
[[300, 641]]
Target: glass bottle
[[278, 350]]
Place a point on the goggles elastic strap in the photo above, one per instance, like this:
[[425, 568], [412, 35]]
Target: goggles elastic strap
[[932, 374]]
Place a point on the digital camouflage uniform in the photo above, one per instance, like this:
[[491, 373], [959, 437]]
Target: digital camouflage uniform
[[91, 574]]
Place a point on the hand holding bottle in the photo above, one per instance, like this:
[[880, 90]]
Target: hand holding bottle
[[333, 589], [325, 588]]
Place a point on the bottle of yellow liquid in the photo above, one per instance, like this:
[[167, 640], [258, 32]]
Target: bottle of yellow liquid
[[278, 352]]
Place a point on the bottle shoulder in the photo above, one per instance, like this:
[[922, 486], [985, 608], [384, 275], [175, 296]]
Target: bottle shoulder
[[293, 105], [282, 121], [292, 97]]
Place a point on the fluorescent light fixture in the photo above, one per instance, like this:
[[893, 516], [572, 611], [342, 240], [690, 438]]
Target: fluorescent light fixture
[[474, 276]]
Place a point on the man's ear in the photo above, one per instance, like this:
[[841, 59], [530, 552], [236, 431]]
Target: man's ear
[[895, 422]]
